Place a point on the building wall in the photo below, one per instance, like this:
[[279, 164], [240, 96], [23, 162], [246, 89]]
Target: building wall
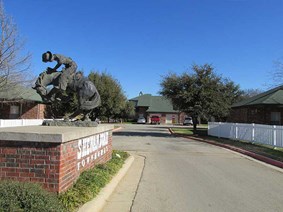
[[33, 111], [164, 117], [4, 111], [257, 115], [176, 117], [27, 110]]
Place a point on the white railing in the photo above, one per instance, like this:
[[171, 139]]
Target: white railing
[[20, 122], [257, 133]]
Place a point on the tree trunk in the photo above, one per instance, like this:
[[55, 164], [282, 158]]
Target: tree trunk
[[195, 121]]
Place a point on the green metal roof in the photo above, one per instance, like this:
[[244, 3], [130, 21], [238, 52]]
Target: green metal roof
[[154, 103], [144, 100], [20, 93], [270, 97]]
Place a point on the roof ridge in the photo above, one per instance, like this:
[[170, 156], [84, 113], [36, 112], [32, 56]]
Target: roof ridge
[[250, 100]]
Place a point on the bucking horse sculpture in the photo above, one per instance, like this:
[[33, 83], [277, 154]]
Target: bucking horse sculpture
[[67, 80]]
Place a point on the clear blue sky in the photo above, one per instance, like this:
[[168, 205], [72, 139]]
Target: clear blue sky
[[139, 41]]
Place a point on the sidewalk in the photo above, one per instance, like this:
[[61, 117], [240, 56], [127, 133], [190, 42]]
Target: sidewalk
[[124, 195], [118, 195]]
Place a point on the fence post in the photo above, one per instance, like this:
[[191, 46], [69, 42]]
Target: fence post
[[208, 128], [218, 132], [274, 135], [236, 129], [253, 132]]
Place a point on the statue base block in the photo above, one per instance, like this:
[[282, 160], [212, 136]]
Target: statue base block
[[52, 156], [70, 123]]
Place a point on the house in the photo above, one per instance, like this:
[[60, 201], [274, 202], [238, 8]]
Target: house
[[264, 108], [18, 102], [147, 106]]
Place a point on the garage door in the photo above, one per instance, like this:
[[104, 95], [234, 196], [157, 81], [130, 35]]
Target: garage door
[[171, 118], [168, 118]]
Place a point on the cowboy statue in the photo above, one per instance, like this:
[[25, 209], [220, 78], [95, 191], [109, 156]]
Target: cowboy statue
[[63, 78], [66, 80], [87, 95]]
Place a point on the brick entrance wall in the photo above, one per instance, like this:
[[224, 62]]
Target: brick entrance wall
[[55, 165]]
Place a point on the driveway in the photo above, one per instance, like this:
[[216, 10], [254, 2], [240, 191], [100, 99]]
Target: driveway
[[177, 174]]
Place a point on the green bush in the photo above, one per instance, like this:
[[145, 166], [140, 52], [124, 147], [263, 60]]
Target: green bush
[[27, 197], [92, 181]]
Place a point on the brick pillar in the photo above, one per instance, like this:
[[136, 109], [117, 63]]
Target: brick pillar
[[52, 156]]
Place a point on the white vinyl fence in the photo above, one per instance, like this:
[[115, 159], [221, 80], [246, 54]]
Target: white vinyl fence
[[257, 133], [20, 122]]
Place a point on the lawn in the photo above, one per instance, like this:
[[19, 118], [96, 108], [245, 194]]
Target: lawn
[[183, 131], [201, 131]]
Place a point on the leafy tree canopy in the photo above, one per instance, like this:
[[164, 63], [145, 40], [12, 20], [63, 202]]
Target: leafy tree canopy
[[201, 92], [113, 100], [128, 112]]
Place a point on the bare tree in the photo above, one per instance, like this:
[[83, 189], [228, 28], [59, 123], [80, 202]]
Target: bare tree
[[14, 65], [248, 93], [276, 75]]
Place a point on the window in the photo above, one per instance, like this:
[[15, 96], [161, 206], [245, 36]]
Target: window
[[14, 112], [275, 118]]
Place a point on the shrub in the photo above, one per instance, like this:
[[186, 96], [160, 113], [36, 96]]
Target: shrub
[[92, 181], [27, 197]]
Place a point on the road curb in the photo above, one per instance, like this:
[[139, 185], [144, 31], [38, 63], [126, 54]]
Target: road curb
[[117, 129], [242, 151], [99, 201]]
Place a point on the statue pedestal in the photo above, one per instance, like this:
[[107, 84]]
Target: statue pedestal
[[52, 156]]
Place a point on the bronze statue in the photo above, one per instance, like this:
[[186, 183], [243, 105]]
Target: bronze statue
[[67, 80], [87, 94]]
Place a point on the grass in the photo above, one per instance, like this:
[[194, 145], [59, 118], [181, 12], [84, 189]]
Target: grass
[[183, 131], [92, 181], [264, 150], [203, 125], [201, 131]]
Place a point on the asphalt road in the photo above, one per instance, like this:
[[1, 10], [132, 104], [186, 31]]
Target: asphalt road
[[177, 174]]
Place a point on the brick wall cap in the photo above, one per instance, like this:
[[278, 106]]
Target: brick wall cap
[[50, 134]]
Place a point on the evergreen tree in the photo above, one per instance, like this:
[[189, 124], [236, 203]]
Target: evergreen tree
[[201, 93], [113, 100]]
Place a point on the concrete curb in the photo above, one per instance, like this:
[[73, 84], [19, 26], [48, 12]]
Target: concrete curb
[[99, 201], [117, 129], [236, 149]]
